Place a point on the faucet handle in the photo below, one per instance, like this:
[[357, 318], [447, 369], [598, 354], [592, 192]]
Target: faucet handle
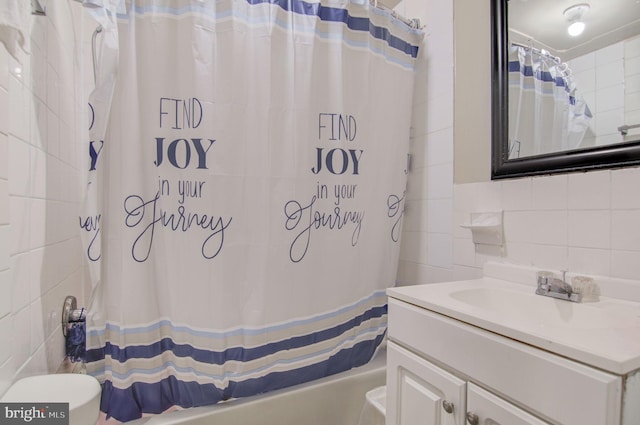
[[544, 277]]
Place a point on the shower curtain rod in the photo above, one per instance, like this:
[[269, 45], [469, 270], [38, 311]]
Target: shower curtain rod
[[539, 52], [412, 23], [563, 67]]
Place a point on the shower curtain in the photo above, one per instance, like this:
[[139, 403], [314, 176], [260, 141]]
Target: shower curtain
[[244, 196], [546, 112]]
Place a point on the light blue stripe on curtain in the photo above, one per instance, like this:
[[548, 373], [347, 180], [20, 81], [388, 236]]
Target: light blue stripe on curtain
[[323, 13]]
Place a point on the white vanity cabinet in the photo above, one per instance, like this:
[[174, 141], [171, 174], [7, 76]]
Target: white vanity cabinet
[[441, 370], [420, 392]]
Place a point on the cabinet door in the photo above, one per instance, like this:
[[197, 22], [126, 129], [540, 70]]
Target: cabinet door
[[485, 408], [420, 393]]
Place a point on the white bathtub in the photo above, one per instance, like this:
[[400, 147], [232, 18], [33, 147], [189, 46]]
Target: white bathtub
[[334, 400]]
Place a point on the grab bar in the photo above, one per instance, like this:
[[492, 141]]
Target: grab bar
[[624, 129]]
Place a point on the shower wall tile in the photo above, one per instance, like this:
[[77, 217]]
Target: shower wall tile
[[7, 331], [40, 249], [21, 328], [583, 63], [439, 113], [4, 110], [439, 149], [439, 213], [414, 246], [415, 216], [20, 289], [5, 289], [19, 176], [609, 74], [611, 99], [19, 217], [607, 123], [417, 184], [19, 108], [4, 69], [439, 180], [4, 156], [4, 202], [5, 247]]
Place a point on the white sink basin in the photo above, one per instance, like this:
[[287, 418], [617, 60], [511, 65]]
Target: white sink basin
[[603, 334], [543, 311]]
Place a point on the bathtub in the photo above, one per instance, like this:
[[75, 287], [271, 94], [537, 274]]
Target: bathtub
[[334, 400]]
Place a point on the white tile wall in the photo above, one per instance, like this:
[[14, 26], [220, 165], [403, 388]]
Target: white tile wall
[[610, 84], [40, 145], [427, 247]]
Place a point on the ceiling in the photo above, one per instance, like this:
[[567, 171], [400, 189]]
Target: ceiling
[[543, 22]]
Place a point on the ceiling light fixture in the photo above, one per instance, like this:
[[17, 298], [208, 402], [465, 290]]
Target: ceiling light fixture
[[574, 16]]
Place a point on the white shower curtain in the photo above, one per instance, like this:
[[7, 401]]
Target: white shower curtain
[[244, 197], [546, 112]]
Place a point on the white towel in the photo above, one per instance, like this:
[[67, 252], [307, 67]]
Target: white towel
[[15, 19]]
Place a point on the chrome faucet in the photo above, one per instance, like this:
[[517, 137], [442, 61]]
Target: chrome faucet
[[551, 286]]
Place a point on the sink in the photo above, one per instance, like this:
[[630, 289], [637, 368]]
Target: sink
[[542, 311], [603, 334]]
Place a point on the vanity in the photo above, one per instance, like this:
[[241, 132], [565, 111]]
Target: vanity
[[490, 351]]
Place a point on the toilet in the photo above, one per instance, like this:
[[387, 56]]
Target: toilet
[[82, 392]]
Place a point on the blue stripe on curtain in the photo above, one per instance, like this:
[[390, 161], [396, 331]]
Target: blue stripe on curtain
[[193, 394], [527, 71], [326, 14], [230, 354]]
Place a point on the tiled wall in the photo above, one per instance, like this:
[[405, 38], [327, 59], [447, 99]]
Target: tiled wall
[[609, 80], [581, 222], [427, 244], [40, 193], [584, 222]]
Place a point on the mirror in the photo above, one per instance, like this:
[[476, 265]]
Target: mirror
[[576, 124]]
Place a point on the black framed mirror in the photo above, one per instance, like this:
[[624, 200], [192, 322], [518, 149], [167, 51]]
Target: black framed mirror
[[504, 164]]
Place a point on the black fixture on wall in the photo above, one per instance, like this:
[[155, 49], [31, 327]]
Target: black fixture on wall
[[610, 156]]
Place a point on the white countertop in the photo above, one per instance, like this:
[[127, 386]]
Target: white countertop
[[603, 334]]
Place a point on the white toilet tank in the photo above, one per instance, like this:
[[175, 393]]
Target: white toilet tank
[[82, 392]]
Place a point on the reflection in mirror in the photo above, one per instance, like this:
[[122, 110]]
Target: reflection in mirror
[[565, 102]]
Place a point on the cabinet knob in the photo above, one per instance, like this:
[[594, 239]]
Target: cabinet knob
[[447, 406], [472, 418]]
